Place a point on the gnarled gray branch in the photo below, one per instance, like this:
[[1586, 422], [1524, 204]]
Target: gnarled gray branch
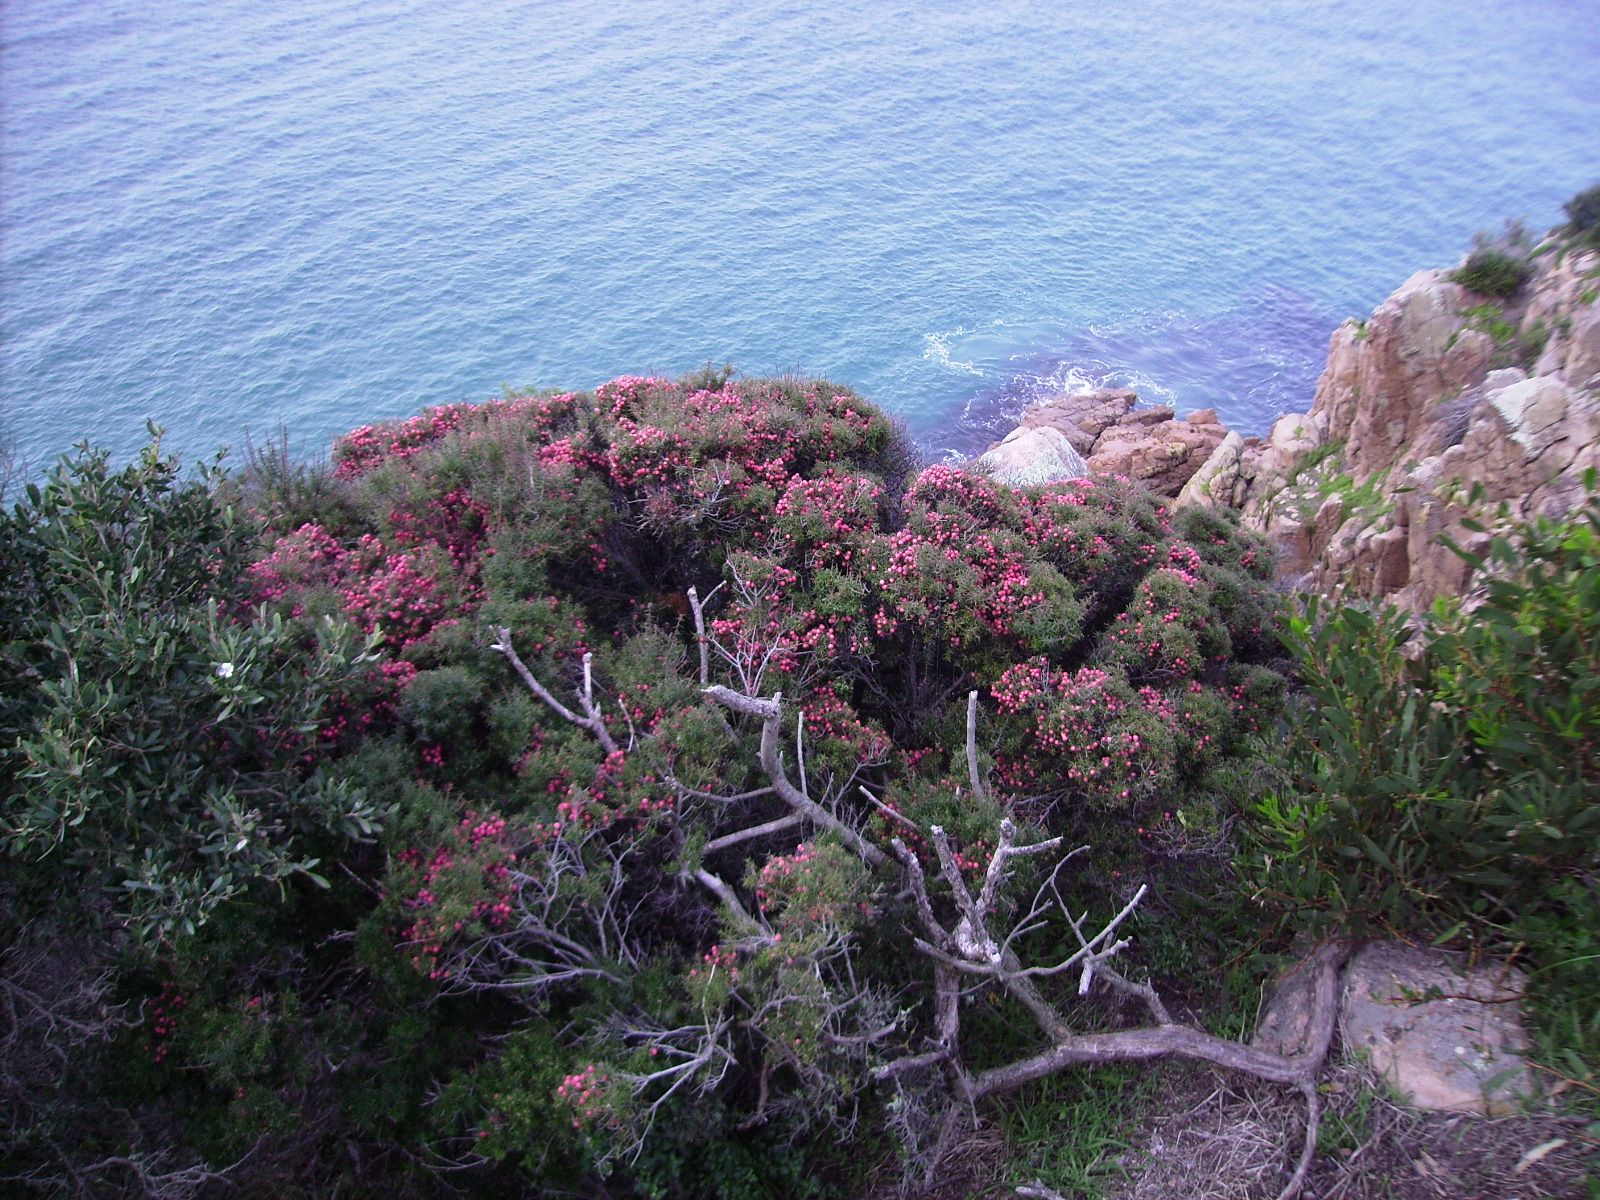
[[770, 714], [589, 719]]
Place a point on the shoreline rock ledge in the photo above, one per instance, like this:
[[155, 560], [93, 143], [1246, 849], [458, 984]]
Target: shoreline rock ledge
[[1105, 432]]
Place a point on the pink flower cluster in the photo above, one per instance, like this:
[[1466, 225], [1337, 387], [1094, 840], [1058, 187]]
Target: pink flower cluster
[[397, 593], [401, 593], [163, 1020], [364, 449], [717, 959], [626, 393], [834, 726], [366, 707], [467, 881], [1088, 722], [809, 888], [587, 1094], [360, 450], [826, 522], [611, 799], [1158, 635], [455, 521]]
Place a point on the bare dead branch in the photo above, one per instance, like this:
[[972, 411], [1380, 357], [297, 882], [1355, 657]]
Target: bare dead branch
[[719, 888], [770, 713], [919, 893], [979, 792], [891, 813], [755, 831], [698, 608], [590, 719]]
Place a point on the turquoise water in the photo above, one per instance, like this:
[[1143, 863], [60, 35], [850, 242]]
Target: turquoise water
[[227, 215]]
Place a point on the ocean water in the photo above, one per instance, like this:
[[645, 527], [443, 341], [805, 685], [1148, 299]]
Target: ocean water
[[228, 215]]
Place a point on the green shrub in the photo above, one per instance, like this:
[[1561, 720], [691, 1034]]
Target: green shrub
[[1448, 776], [610, 954], [152, 742], [1583, 215], [1493, 272]]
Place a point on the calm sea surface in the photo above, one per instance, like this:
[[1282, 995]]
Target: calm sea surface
[[321, 212]]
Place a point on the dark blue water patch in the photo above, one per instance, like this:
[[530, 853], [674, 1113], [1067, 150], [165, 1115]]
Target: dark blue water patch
[[1262, 356]]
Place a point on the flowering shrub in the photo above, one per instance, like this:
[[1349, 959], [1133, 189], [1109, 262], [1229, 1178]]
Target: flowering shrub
[[462, 887], [402, 595], [588, 1094], [597, 931], [818, 884], [1093, 735]]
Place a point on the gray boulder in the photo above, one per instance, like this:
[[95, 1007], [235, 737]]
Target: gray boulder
[[1028, 457], [1445, 1035]]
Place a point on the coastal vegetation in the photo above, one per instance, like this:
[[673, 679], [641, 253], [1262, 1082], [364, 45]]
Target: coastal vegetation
[[677, 789]]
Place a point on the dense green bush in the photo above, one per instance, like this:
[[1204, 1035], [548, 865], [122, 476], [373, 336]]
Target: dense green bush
[[590, 941], [1583, 215], [1492, 271], [1447, 775], [152, 739]]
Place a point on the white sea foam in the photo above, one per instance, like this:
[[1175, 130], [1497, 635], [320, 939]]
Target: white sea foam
[[936, 349]]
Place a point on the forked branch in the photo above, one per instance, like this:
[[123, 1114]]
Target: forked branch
[[970, 946], [770, 714], [589, 719]]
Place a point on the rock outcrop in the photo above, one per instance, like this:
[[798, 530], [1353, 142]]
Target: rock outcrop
[[1440, 391], [1444, 1035], [1114, 437], [1026, 457]]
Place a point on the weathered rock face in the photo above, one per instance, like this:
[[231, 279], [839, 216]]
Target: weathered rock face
[[1113, 436], [1443, 1035], [1441, 390]]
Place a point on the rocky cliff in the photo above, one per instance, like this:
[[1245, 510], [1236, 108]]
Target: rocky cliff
[[1441, 389]]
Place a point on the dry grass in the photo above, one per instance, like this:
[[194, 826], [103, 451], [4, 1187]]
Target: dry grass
[[1223, 1138]]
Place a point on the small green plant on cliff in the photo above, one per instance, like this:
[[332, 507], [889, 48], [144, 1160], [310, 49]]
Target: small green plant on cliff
[[1499, 264], [1514, 345], [1491, 271], [1583, 216], [1314, 458]]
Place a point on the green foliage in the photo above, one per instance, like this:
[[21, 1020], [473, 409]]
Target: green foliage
[[1583, 215], [440, 705], [1314, 458], [503, 1109], [151, 740], [604, 954], [1514, 345], [1491, 271], [1447, 775], [1069, 1132]]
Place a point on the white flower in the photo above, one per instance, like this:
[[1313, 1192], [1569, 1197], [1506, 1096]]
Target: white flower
[[224, 670]]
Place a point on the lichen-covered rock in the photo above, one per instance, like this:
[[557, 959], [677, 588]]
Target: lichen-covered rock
[[1444, 1035]]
